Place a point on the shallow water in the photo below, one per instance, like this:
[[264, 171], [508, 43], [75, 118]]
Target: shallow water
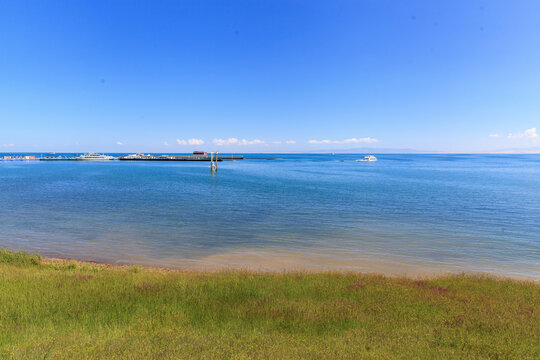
[[430, 212]]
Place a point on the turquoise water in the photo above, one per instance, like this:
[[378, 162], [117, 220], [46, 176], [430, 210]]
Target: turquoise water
[[464, 212]]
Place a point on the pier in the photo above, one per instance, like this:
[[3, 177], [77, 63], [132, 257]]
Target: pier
[[196, 156], [205, 157]]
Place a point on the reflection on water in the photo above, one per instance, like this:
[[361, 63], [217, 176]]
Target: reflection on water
[[469, 212]]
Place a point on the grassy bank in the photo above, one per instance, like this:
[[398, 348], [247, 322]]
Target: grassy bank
[[69, 310]]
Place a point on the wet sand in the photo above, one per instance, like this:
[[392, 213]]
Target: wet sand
[[279, 260], [285, 260]]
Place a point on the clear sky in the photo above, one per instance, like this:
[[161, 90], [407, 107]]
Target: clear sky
[[254, 75]]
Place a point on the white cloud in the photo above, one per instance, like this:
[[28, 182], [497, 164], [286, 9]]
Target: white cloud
[[221, 142], [235, 141], [190, 141], [195, 142], [320, 141], [361, 140], [165, 143], [527, 134], [493, 135], [346, 141], [119, 143], [8, 145], [284, 142], [251, 142]]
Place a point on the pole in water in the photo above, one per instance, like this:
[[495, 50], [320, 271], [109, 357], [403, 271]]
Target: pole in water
[[213, 166]]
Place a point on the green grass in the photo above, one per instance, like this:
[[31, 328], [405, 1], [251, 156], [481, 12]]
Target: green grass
[[68, 310], [19, 258]]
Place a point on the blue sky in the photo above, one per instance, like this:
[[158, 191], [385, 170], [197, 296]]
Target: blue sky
[[253, 75]]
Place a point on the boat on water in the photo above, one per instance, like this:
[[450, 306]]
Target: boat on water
[[94, 157], [137, 156], [368, 158]]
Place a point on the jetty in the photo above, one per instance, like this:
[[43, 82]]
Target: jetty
[[194, 157]]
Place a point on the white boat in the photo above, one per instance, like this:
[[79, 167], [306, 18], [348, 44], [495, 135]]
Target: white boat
[[94, 157], [370, 158], [137, 156]]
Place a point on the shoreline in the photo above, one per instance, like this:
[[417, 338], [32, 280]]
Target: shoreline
[[256, 262]]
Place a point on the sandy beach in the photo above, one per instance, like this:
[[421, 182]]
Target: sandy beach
[[288, 261]]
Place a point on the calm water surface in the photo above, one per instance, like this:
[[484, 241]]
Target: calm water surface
[[464, 212]]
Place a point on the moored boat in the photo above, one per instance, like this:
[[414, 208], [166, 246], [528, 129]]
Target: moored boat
[[94, 157]]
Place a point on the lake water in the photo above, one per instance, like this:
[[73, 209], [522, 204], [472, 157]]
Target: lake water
[[424, 212]]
